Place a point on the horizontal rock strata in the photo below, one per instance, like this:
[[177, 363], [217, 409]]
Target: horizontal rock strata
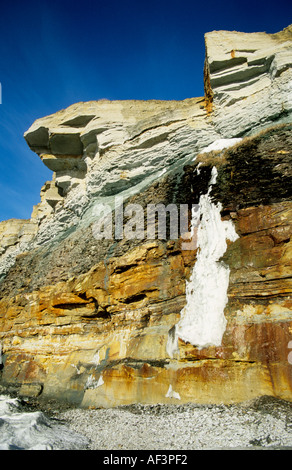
[[96, 322]]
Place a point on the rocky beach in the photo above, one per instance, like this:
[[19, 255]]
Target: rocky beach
[[261, 424]]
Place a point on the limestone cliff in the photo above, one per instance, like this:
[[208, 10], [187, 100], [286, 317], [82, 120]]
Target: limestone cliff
[[103, 321]]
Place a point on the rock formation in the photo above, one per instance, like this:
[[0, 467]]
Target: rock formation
[[97, 318]]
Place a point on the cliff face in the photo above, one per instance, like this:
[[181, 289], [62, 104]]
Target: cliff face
[[102, 312]]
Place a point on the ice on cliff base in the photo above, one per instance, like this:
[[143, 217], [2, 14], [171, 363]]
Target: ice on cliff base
[[33, 430], [202, 321], [172, 394]]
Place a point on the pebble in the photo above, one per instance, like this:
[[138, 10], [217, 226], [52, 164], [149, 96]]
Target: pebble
[[264, 424]]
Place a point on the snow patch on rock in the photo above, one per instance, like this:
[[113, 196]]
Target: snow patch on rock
[[221, 144]]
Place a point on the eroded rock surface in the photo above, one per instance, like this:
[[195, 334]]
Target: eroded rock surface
[[99, 322]]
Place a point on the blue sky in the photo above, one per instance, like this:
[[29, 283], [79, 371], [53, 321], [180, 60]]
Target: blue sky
[[54, 53]]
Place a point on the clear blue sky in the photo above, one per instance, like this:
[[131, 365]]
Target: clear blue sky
[[54, 53]]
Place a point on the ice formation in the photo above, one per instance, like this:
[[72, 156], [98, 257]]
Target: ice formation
[[92, 383], [33, 430], [202, 321], [172, 394], [221, 144]]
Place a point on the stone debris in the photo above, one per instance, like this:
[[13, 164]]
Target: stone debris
[[264, 424]]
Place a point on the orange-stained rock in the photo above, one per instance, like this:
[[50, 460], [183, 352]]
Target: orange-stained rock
[[89, 321], [105, 345]]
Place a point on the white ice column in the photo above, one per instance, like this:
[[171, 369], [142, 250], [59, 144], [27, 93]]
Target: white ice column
[[202, 321]]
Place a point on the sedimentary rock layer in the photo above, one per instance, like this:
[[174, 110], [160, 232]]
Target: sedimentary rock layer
[[101, 322]]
